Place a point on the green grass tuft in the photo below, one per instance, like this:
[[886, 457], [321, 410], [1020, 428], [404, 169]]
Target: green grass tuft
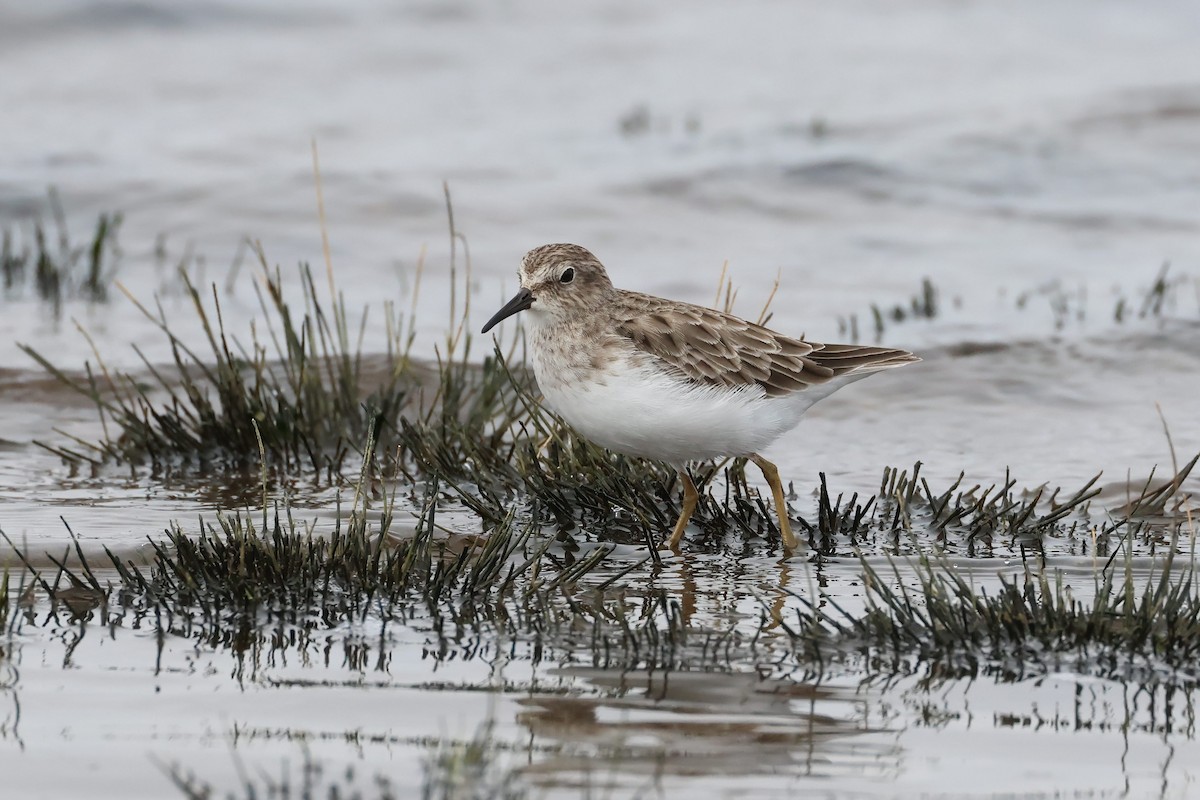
[[1032, 625], [52, 266], [304, 391]]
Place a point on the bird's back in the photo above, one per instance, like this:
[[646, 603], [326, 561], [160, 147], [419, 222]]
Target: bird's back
[[714, 348]]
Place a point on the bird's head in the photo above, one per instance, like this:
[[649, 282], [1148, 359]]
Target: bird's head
[[557, 280]]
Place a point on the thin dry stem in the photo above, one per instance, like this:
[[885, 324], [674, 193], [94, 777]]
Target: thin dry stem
[[321, 216]]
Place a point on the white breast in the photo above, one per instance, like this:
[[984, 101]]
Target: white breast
[[632, 407]]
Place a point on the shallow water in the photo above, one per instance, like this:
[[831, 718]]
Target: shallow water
[[1038, 163], [377, 699]]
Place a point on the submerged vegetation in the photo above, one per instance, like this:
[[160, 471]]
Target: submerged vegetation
[[451, 770], [255, 584], [1031, 625]]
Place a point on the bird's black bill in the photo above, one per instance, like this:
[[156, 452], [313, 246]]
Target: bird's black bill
[[522, 301]]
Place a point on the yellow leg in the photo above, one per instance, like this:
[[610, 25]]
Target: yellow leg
[[690, 498], [772, 475]]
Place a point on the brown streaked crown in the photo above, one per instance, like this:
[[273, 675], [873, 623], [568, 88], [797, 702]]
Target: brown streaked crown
[[544, 266]]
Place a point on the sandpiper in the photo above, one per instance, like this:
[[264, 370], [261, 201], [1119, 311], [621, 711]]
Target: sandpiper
[[667, 380]]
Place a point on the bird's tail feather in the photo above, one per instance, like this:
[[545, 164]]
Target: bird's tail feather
[[847, 359]]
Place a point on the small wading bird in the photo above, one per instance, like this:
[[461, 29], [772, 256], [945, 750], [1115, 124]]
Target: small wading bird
[[672, 381]]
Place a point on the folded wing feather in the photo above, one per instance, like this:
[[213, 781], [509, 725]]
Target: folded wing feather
[[717, 349]]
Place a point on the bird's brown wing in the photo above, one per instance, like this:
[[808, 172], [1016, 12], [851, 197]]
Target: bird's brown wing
[[717, 349]]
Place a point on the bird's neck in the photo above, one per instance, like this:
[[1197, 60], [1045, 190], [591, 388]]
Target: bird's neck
[[567, 350]]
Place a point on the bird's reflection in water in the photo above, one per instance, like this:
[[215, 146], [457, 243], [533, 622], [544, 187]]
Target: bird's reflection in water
[[646, 724]]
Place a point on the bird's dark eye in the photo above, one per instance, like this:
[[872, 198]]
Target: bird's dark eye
[[568, 275]]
